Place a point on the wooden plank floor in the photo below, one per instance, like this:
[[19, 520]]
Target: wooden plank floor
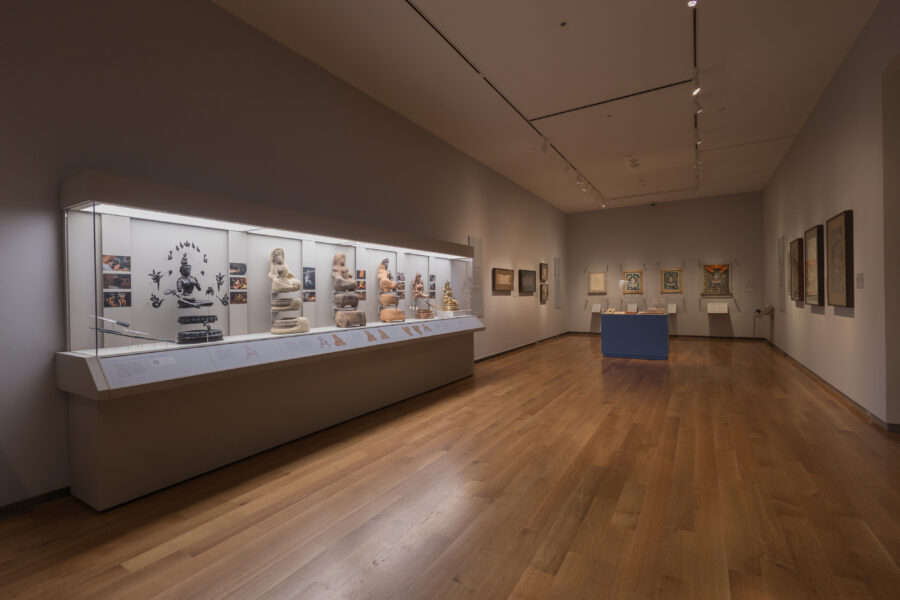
[[725, 472]]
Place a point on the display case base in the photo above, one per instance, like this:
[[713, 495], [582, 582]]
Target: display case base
[[125, 447]]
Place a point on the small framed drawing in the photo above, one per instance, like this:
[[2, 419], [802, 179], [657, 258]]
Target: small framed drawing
[[502, 280], [544, 270], [716, 281], [839, 244], [797, 270], [545, 293], [527, 283], [633, 282], [597, 283], [670, 281], [814, 270]]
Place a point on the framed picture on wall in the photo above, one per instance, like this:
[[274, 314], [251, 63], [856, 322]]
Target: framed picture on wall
[[545, 292], [632, 282], [670, 281], [839, 244], [814, 254], [544, 270], [527, 281], [597, 283], [797, 270], [502, 280], [716, 280]]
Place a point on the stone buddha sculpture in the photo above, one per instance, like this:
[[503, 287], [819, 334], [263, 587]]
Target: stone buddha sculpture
[[343, 280], [282, 278], [386, 282], [345, 298], [450, 303], [388, 298]]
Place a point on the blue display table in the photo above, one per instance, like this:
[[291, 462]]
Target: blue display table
[[635, 336]]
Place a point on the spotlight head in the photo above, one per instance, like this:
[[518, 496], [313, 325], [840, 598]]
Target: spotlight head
[[696, 91], [692, 3]]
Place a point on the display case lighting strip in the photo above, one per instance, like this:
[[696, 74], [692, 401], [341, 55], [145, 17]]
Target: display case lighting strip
[[153, 215], [295, 235]]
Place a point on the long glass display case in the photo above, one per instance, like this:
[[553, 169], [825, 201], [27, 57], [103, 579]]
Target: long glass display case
[[142, 280]]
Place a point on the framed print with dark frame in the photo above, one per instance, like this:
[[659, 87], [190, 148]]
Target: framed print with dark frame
[[502, 280], [839, 245], [545, 292], [797, 270], [527, 281], [670, 281], [814, 270], [544, 269]]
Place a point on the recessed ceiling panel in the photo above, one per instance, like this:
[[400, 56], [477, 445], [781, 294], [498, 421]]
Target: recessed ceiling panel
[[552, 56], [742, 168], [764, 64], [638, 145]]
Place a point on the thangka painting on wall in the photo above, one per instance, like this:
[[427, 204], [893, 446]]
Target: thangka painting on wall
[[716, 280], [670, 281], [632, 282], [597, 283], [814, 254], [839, 241]]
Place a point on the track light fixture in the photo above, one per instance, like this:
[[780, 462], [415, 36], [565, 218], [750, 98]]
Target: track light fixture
[[697, 108], [696, 91], [692, 3]]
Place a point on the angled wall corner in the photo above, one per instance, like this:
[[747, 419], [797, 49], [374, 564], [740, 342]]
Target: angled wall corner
[[891, 142]]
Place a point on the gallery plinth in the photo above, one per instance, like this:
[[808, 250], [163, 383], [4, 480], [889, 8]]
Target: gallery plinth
[[635, 336]]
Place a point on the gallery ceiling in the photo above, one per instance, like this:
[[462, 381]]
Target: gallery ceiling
[[608, 84]]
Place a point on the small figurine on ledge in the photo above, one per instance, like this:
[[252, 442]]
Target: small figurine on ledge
[[420, 299], [450, 303]]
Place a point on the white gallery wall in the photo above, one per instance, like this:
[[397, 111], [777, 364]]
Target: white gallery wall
[[182, 93], [837, 164], [681, 235]]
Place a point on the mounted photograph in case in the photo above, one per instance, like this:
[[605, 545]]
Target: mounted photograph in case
[[839, 242], [797, 270], [814, 253]]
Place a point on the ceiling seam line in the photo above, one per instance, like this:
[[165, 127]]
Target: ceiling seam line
[[647, 91], [774, 139], [497, 91], [694, 34], [443, 37], [687, 189]]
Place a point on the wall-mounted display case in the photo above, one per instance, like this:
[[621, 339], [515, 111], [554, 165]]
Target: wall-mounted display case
[[198, 336], [143, 280]]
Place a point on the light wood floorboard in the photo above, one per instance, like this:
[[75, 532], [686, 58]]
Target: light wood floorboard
[[725, 472]]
